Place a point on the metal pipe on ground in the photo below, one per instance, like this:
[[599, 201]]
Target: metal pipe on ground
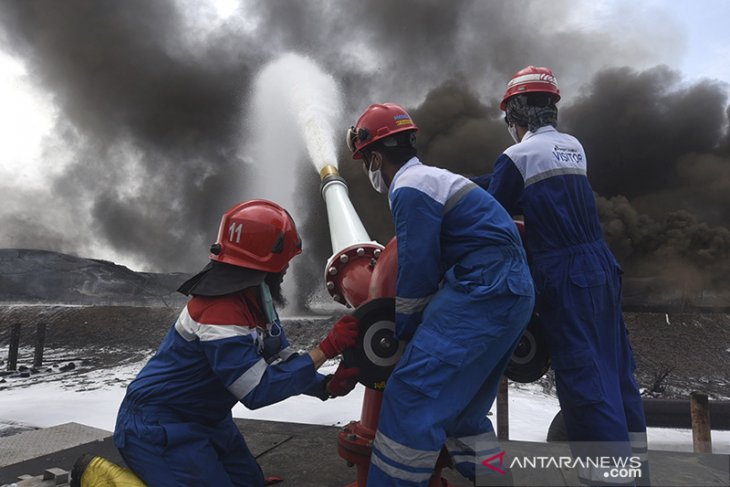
[[661, 413], [14, 345], [675, 413], [40, 341], [700, 413], [503, 410]]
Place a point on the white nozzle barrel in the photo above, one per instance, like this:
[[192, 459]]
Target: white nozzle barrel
[[346, 229]]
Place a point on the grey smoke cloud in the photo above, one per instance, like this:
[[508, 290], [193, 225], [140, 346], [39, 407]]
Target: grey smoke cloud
[[153, 111], [154, 131]]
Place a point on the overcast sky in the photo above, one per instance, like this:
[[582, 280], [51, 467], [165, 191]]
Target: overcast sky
[[126, 126]]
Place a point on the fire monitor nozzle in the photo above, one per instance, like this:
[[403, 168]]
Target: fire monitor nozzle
[[346, 229], [348, 271], [328, 170]]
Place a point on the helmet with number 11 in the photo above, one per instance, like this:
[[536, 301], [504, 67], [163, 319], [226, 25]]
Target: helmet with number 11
[[257, 234]]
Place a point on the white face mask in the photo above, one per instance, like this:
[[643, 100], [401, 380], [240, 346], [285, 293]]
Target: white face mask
[[512, 129], [376, 179]]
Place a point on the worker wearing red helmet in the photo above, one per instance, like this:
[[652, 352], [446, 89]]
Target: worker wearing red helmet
[[174, 425], [463, 299], [543, 177]]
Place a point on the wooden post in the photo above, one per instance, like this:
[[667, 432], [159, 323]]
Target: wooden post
[[701, 432], [503, 410], [40, 339], [14, 343]]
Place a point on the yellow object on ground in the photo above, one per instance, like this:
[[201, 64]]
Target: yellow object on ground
[[95, 471]]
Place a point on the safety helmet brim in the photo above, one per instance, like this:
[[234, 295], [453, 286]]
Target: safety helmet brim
[[220, 279]]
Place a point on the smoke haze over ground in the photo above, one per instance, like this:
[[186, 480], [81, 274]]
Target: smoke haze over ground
[[149, 142]]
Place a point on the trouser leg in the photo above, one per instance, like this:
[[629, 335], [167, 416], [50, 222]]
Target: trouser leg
[[236, 458], [583, 322], [188, 454], [436, 388], [410, 430], [472, 442]]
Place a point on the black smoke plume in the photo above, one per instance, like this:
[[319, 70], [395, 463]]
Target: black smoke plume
[[151, 108]]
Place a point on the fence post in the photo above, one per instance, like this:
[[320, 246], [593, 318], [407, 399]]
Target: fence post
[[701, 432], [40, 340], [14, 343], [503, 410]]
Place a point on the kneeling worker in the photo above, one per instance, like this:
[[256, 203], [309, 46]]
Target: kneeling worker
[[175, 425]]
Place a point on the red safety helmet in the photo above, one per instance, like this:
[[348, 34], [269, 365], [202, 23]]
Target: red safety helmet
[[377, 122], [531, 80], [257, 234]]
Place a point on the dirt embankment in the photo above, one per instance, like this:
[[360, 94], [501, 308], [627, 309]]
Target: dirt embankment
[[679, 353], [131, 327], [675, 353]]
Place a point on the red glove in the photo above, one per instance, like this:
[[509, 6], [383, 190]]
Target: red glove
[[343, 381], [343, 335]]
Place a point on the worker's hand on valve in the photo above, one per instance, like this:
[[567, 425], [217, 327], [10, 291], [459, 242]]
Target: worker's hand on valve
[[343, 381], [343, 335]]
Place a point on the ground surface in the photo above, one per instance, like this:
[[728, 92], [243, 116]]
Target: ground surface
[[305, 455]]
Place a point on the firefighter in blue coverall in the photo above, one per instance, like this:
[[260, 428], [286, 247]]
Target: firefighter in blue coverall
[[464, 297], [174, 425], [578, 281]]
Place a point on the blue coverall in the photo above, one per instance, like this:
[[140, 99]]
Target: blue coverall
[[578, 284], [175, 427], [464, 297]]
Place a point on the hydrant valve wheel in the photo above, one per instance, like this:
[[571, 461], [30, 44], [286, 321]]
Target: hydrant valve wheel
[[378, 350], [531, 359]]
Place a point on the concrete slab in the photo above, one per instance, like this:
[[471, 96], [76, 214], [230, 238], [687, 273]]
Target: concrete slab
[[680, 469], [63, 459], [32, 444]]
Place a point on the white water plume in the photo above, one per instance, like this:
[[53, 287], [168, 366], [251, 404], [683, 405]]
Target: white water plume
[[296, 106], [294, 116]]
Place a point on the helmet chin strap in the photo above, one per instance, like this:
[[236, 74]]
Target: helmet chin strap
[[268, 302]]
